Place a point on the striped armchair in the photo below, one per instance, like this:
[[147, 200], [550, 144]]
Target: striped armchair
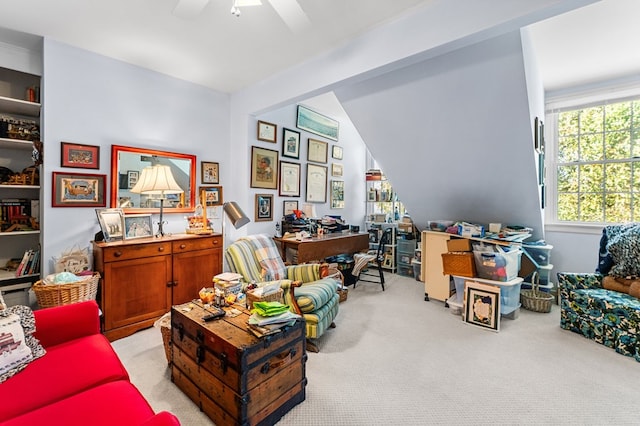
[[256, 258]]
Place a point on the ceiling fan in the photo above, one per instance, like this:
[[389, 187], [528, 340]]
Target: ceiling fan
[[288, 10]]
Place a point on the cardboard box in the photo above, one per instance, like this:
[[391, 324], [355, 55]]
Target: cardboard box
[[459, 244]]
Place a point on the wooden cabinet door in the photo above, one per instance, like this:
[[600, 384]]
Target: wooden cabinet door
[[137, 290], [193, 270], [436, 284]]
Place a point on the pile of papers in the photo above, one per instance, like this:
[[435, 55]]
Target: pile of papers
[[270, 317]]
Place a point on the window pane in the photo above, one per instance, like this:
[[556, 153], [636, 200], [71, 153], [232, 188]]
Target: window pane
[[635, 138], [591, 178], [617, 116], [568, 123], [618, 208], [568, 179], [635, 186], [568, 149], [618, 177], [591, 147], [591, 120], [591, 207], [568, 207], [617, 145]]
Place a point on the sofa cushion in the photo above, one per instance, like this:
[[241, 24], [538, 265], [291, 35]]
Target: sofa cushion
[[314, 295], [114, 403], [69, 368], [607, 306], [19, 347]]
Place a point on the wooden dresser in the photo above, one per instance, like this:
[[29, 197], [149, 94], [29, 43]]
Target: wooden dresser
[[143, 278]]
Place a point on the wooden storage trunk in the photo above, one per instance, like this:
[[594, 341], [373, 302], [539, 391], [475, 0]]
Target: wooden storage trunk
[[233, 376]]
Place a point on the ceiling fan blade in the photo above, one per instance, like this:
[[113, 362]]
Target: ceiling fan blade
[[292, 14], [189, 9]]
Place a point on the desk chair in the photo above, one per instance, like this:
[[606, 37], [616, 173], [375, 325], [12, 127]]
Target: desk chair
[[363, 262]]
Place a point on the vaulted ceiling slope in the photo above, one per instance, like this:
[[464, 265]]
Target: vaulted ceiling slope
[[454, 134]]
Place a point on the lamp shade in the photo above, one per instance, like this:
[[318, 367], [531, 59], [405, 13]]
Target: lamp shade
[[156, 179], [235, 214]]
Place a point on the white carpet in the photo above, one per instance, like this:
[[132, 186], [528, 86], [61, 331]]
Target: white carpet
[[396, 359]]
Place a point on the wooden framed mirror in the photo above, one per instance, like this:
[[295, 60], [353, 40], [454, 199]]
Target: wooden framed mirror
[[127, 164]]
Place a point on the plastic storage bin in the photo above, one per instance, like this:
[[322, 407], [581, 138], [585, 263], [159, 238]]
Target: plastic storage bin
[[455, 307], [498, 266], [417, 266]]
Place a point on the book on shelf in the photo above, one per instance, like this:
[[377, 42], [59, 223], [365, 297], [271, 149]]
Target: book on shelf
[[30, 263]]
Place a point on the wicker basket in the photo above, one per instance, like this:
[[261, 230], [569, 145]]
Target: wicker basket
[[273, 297], [343, 293], [50, 295], [534, 299], [459, 263]]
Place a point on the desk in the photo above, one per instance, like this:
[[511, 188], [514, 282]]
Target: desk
[[317, 248]]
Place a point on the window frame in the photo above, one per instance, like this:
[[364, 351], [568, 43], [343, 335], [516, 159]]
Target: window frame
[[571, 99]]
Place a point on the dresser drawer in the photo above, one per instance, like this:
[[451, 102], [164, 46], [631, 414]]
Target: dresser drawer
[[197, 244], [116, 254]]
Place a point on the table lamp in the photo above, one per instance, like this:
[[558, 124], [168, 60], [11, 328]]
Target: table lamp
[[157, 179]]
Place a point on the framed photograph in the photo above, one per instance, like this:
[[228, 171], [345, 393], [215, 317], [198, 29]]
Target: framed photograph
[[78, 190], [336, 152], [317, 123], [388, 261], [337, 194], [137, 226], [111, 223], [79, 156], [289, 206], [289, 179], [132, 178], [264, 168], [316, 183], [336, 170], [267, 131], [290, 143], [211, 196], [482, 305], [317, 151], [210, 172], [264, 207]]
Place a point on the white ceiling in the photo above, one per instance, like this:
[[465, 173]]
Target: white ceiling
[[226, 53]]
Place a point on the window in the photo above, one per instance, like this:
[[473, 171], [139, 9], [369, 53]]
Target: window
[[597, 163]]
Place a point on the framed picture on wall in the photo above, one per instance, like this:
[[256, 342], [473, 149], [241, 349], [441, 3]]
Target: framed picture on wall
[[289, 179], [289, 206], [264, 207], [337, 194], [317, 123], [78, 190], [336, 152], [290, 143], [79, 155], [264, 168], [316, 183], [210, 172], [336, 170], [317, 151], [267, 131], [211, 196]]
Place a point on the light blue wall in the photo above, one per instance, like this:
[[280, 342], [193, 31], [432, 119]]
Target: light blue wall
[[91, 99]]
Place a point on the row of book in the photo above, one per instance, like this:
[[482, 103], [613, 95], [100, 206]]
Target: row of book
[[30, 263]]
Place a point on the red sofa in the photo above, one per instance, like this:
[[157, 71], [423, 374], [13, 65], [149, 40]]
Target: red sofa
[[79, 381]]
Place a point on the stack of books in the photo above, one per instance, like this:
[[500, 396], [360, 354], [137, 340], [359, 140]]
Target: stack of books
[[30, 263], [229, 282]]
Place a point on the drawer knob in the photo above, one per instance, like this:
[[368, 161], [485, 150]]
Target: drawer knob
[[215, 242], [183, 246], [117, 254], [160, 248]]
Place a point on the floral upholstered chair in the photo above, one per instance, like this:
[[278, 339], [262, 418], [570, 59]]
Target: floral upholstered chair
[[307, 293], [605, 306]]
